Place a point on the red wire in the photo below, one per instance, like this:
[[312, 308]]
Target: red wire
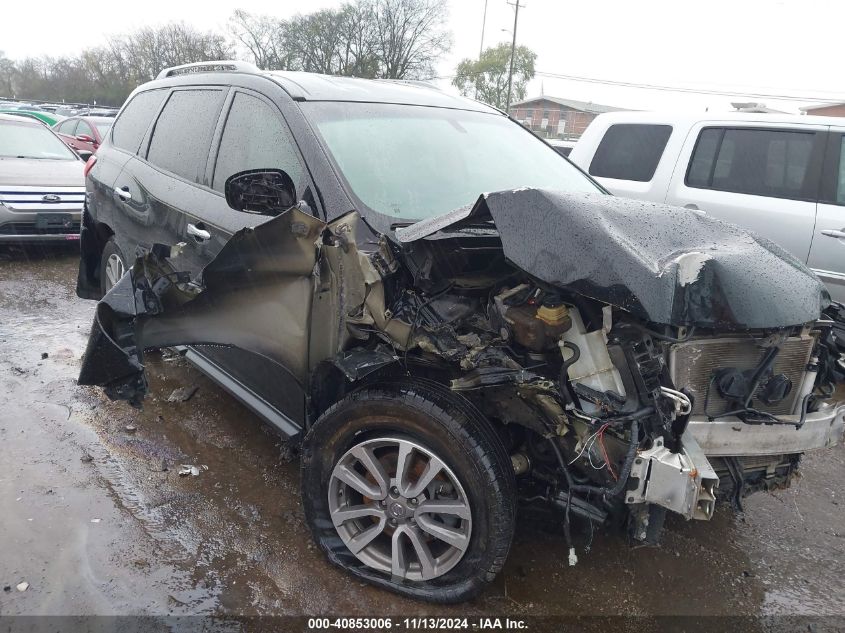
[[604, 452]]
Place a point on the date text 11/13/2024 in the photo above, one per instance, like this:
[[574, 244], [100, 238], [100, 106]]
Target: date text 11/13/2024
[[417, 623]]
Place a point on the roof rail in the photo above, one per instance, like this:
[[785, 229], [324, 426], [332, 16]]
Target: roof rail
[[422, 83], [216, 66]]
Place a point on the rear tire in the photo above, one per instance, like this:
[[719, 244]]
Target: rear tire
[[440, 539], [112, 266]]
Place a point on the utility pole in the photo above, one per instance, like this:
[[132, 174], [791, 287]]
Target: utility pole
[[483, 24], [513, 49], [481, 47]]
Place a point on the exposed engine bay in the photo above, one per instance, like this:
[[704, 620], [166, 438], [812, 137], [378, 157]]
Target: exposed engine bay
[[627, 374]]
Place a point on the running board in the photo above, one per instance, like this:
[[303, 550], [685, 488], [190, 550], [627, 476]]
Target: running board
[[253, 401]]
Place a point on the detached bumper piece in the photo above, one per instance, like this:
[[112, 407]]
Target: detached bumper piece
[[113, 359]]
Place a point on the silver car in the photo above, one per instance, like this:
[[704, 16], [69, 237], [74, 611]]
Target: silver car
[[42, 184]]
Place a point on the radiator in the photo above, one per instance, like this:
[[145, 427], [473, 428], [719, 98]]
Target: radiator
[[693, 363]]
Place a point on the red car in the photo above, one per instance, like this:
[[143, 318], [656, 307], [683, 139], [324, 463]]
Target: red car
[[84, 133]]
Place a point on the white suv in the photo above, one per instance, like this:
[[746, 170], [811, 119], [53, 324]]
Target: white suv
[[779, 175]]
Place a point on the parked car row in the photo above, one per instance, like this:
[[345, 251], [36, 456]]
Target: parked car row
[[61, 110], [83, 134], [451, 319], [47, 118]]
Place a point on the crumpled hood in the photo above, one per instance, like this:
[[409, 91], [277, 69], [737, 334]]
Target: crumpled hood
[[661, 263]]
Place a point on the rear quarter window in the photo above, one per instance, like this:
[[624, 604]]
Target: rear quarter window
[[135, 119], [630, 151]]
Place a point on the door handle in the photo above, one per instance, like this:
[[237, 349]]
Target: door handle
[[123, 193], [197, 233], [691, 207], [832, 233]]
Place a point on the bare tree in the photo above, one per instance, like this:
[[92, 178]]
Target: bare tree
[[357, 50], [7, 75], [314, 40], [362, 38], [410, 36], [149, 50], [260, 35]]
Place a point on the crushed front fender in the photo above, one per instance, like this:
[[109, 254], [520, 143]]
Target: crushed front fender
[[256, 295]]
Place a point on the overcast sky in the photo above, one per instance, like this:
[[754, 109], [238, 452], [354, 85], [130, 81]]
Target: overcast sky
[[777, 47]]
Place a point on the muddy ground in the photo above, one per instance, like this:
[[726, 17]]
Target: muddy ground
[[95, 517]]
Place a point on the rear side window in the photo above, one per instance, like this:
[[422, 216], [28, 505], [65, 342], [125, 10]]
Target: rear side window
[[772, 163], [136, 117], [67, 127], [182, 134], [84, 128], [630, 151], [255, 137]]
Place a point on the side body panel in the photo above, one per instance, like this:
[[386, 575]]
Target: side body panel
[[787, 222]]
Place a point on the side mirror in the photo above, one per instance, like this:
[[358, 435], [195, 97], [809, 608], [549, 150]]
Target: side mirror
[[262, 191], [84, 138]]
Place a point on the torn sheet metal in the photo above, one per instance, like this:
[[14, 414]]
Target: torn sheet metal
[[291, 290], [256, 295], [660, 263], [361, 362]]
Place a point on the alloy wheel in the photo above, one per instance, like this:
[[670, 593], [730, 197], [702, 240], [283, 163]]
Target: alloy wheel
[[400, 509]]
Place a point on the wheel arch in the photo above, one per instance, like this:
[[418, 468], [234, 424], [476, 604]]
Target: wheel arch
[[334, 378], [424, 396], [93, 237]]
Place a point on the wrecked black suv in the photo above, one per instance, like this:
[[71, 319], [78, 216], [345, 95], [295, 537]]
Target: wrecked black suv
[[453, 319]]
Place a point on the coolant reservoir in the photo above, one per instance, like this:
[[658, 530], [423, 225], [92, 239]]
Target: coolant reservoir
[[594, 368]]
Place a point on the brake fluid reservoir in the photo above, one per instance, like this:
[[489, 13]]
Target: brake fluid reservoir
[[594, 368]]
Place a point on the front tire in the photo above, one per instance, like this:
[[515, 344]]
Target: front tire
[[409, 488]]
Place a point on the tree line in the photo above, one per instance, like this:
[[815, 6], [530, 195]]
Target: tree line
[[392, 39], [107, 74]]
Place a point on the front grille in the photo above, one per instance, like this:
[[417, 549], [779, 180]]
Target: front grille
[[28, 228], [29, 198], [692, 365]]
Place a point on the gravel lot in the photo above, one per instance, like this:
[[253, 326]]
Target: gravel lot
[[96, 518]]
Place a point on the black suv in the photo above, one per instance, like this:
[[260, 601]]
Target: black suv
[[324, 248]]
